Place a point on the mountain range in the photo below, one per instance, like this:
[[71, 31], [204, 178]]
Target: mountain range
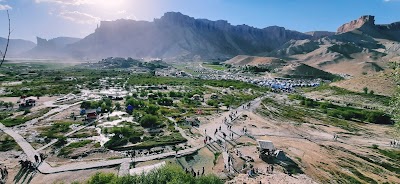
[[357, 47]]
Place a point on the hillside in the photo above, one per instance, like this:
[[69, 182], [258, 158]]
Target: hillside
[[381, 83], [243, 60], [359, 47], [16, 46], [305, 71]]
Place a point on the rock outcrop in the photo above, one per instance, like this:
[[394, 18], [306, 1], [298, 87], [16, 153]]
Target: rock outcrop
[[178, 36], [366, 20]]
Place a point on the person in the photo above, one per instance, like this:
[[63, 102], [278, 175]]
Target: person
[[202, 173], [272, 168]]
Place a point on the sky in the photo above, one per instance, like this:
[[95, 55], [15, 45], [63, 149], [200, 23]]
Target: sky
[[79, 18]]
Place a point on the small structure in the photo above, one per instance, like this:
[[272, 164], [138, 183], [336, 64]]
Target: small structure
[[91, 115], [196, 97], [192, 121], [266, 148], [129, 108], [27, 102], [82, 112]]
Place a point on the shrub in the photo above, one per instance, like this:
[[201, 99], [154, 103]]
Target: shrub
[[149, 121], [170, 173]]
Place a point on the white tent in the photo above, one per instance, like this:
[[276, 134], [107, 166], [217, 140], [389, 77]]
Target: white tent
[[264, 144]]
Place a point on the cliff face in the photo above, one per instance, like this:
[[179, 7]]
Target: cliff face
[[367, 20], [179, 36], [53, 48], [366, 24]]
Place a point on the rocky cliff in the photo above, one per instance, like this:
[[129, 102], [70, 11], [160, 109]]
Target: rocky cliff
[[366, 20], [366, 25], [178, 36]]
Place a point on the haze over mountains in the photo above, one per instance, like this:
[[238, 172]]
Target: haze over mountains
[[358, 46]]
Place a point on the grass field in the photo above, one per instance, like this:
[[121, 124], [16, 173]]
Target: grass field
[[215, 67]]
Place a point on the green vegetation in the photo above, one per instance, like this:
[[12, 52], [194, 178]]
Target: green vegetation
[[61, 142], [215, 66], [144, 79], [56, 130], [149, 121], [123, 135], [7, 143], [346, 113], [300, 115], [18, 120], [391, 154], [105, 104], [216, 155], [340, 91], [168, 174], [65, 151]]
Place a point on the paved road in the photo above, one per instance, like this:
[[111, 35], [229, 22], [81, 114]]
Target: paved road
[[124, 169]]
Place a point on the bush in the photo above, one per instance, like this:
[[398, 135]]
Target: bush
[[61, 142], [165, 101], [149, 121], [168, 174], [213, 103], [115, 142]]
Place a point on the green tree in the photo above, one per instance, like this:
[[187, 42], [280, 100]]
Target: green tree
[[149, 121], [372, 92], [117, 106], [152, 109], [365, 89]]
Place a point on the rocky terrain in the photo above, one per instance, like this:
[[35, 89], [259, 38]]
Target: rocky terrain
[[358, 47], [179, 36], [243, 60]]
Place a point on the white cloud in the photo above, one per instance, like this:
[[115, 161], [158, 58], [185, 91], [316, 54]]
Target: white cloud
[[79, 17], [391, 0], [121, 12], [5, 7]]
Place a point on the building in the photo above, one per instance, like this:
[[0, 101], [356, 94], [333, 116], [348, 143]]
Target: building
[[91, 116], [266, 148]]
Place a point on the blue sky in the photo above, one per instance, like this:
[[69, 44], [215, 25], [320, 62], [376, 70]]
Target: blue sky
[[78, 18]]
